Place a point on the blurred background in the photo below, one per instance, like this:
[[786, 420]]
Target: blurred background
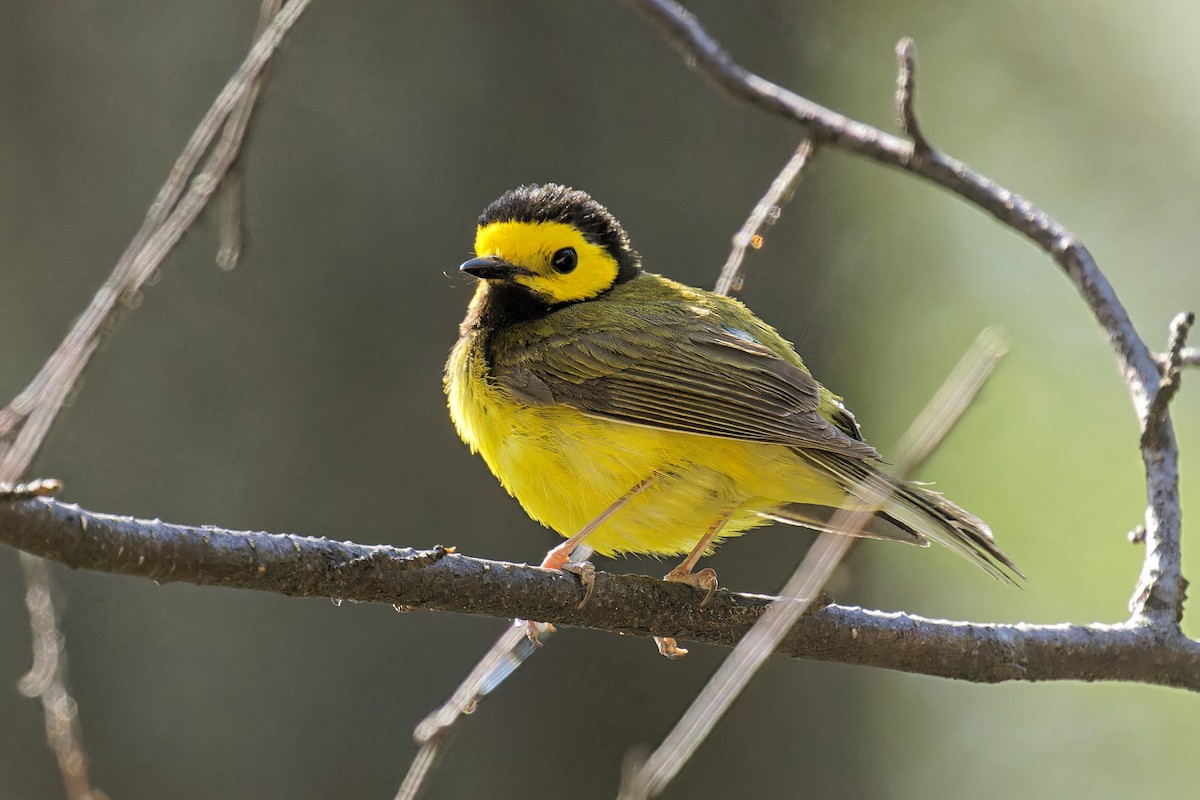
[[301, 392]]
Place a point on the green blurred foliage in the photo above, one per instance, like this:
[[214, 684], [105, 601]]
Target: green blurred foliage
[[301, 391]]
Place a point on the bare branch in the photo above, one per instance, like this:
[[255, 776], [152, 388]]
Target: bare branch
[[651, 776], [765, 213], [633, 604]]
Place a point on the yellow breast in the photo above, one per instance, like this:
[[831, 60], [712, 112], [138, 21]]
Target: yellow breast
[[565, 467]]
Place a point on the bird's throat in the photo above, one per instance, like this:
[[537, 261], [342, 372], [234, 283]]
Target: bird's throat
[[499, 305]]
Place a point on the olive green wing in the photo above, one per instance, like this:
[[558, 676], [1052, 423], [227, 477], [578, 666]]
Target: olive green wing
[[668, 368]]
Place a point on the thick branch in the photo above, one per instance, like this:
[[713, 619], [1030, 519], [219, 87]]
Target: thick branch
[[438, 579]]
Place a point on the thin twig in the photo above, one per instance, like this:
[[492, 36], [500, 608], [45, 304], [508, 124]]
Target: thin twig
[[422, 764], [906, 89], [47, 681], [500, 661], [1168, 385], [765, 213], [234, 133], [959, 390], [1188, 357], [928, 431], [230, 209]]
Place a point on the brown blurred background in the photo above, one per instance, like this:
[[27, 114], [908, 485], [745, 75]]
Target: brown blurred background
[[301, 392]]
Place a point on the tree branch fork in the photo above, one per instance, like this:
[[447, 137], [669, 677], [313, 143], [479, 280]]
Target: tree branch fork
[[1151, 379], [440, 579]]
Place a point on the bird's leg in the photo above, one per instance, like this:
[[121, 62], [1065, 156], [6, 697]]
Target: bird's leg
[[705, 579], [559, 557]]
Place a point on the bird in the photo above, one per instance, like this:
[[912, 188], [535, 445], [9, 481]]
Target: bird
[[640, 415]]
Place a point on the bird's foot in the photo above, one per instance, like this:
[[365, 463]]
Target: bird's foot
[[560, 559], [534, 630], [668, 648], [586, 571], [705, 579]]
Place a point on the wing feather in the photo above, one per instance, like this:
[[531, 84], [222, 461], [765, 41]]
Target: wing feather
[[667, 369]]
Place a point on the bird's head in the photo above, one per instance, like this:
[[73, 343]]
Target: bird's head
[[556, 243]]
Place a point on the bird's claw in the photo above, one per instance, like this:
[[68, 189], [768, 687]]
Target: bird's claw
[[705, 579], [668, 648], [587, 578], [533, 630]]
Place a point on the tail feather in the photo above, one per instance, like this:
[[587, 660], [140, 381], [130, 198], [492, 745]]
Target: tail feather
[[820, 518], [916, 513]]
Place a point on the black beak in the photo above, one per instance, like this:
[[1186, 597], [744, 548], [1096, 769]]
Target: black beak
[[490, 268]]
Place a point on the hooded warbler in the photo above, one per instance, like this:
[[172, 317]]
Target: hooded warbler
[[646, 416]]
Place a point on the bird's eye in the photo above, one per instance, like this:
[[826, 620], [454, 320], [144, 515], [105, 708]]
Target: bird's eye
[[564, 260]]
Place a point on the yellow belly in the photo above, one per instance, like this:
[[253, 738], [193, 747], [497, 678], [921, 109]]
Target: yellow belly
[[565, 468]]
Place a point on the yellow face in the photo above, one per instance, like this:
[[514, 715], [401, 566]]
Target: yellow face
[[555, 261]]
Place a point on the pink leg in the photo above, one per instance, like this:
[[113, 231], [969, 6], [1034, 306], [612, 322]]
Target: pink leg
[[559, 557], [705, 579]]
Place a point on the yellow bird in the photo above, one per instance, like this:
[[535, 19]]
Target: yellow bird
[[645, 416]]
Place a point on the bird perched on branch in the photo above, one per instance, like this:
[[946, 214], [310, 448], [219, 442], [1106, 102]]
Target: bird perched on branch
[[645, 416]]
